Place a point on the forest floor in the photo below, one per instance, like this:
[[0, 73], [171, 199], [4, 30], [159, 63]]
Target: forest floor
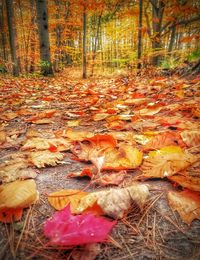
[[140, 107]]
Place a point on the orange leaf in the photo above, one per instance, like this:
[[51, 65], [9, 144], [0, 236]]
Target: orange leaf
[[10, 215], [103, 141], [165, 139], [187, 203]]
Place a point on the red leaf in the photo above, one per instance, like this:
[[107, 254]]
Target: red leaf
[[65, 229]]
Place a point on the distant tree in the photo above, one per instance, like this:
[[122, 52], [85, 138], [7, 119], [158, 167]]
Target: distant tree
[[139, 66], [84, 43], [42, 21], [12, 36]]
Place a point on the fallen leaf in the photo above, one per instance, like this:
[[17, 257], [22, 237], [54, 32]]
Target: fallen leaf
[[191, 137], [187, 203], [186, 181], [62, 198], [38, 143], [164, 139], [65, 229], [42, 158], [2, 137], [116, 202], [10, 215], [18, 194], [89, 252], [166, 162], [126, 157]]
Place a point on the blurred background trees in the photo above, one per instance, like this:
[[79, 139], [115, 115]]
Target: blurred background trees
[[117, 34]]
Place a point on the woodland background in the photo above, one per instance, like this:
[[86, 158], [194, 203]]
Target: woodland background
[[100, 35]]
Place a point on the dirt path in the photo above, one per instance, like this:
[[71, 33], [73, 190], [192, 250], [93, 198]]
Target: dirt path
[[156, 232]]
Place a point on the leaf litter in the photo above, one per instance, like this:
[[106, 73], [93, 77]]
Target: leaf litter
[[142, 137]]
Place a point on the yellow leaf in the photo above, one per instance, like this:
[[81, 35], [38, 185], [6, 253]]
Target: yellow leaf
[[18, 194], [166, 162], [187, 203], [60, 199]]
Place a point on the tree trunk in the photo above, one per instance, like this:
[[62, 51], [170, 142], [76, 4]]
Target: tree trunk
[[12, 36], [172, 39], [139, 65], [95, 43], [157, 17], [42, 21], [84, 44], [32, 37]]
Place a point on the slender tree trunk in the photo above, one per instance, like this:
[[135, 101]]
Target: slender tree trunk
[[157, 17], [32, 37], [95, 43], [42, 20], [172, 39], [3, 38], [139, 65], [12, 36], [84, 44]]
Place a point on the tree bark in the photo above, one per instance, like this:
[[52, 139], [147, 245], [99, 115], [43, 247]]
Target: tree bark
[[157, 17], [172, 39], [42, 21], [12, 36], [139, 65], [84, 44]]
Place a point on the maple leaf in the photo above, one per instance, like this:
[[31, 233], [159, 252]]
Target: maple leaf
[[65, 229], [42, 158], [187, 203], [116, 202], [166, 162]]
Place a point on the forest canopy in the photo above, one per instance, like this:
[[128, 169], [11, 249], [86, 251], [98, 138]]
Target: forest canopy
[[98, 34]]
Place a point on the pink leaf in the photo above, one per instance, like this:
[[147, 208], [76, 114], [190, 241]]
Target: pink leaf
[[65, 229]]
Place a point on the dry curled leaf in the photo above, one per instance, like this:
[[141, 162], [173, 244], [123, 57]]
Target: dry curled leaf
[[187, 203], [166, 162], [42, 158], [2, 137], [116, 202]]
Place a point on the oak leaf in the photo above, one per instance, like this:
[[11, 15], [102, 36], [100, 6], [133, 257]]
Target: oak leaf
[[187, 203]]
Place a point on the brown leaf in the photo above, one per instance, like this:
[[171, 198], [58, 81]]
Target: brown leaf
[[187, 203], [191, 137], [42, 158], [89, 252], [186, 181]]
